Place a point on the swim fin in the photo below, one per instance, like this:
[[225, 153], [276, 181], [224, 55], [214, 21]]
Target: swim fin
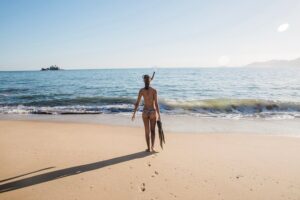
[[161, 134]]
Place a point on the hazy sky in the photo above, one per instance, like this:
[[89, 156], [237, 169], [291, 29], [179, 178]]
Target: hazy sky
[[146, 33]]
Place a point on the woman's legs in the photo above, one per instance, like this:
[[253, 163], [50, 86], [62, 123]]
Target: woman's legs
[[149, 124], [152, 129], [147, 130]]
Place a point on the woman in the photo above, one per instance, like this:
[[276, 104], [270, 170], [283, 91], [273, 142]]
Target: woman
[[149, 112]]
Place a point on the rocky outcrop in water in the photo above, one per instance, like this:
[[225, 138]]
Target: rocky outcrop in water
[[51, 68]]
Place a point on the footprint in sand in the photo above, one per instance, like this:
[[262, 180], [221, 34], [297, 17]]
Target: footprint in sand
[[155, 173], [173, 195], [143, 187], [239, 176]]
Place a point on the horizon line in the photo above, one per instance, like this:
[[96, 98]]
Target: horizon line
[[119, 68], [156, 66]]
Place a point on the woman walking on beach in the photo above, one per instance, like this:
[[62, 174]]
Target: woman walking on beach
[[149, 111]]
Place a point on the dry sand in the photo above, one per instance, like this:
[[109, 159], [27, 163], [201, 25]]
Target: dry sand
[[50, 160]]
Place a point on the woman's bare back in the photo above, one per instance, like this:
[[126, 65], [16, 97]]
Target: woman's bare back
[[149, 98]]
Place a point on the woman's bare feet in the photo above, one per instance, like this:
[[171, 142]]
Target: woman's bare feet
[[147, 150]]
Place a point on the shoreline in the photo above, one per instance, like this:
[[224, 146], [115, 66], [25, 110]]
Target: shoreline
[[176, 123], [55, 160]]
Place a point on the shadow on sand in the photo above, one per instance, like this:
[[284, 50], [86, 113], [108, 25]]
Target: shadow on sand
[[26, 174], [68, 172]]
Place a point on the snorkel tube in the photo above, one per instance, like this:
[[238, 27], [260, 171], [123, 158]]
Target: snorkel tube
[[152, 76]]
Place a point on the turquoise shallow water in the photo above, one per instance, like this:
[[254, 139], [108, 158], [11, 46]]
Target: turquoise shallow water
[[203, 92]]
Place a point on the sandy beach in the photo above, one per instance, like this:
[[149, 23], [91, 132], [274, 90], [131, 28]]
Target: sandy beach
[[59, 160]]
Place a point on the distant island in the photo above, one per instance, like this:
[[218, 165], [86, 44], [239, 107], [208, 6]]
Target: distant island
[[276, 63], [51, 68]]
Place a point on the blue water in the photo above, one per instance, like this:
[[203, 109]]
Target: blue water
[[202, 92]]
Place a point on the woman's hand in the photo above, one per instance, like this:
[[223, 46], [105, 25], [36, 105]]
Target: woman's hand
[[158, 119], [133, 117]]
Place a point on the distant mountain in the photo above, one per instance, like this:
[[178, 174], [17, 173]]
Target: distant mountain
[[276, 63]]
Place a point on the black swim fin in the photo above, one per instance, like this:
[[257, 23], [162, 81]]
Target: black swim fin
[[161, 134]]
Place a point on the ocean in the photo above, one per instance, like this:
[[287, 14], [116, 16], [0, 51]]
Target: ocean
[[231, 93]]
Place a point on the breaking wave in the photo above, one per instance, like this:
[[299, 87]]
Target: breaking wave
[[228, 108]]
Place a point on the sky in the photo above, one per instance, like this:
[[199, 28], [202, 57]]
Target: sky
[[90, 34]]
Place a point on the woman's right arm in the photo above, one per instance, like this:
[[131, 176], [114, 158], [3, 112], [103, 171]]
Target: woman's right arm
[[136, 105]]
